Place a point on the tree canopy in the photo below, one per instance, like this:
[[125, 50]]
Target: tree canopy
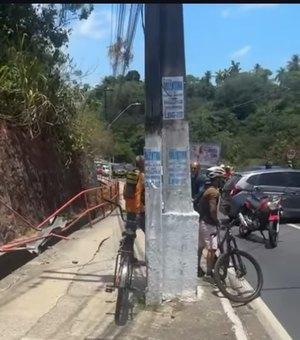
[[254, 114]]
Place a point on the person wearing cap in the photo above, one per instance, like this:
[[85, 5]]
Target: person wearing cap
[[197, 183]]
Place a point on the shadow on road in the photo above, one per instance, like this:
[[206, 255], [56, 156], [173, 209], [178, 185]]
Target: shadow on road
[[9, 262], [78, 277], [254, 238]]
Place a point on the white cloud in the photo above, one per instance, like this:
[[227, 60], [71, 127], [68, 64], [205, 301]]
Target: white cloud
[[241, 52], [245, 8], [97, 26]]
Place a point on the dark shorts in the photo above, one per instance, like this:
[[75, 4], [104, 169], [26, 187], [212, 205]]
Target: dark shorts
[[132, 221]]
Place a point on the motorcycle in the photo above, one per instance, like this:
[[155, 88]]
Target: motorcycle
[[260, 213]]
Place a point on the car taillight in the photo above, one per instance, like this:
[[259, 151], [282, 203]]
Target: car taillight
[[235, 190]]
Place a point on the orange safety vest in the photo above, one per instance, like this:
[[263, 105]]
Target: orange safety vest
[[135, 204]]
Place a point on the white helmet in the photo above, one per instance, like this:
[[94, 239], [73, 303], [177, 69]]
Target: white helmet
[[215, 171]]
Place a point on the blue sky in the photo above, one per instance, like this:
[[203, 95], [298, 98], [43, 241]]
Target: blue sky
[[215, 34]]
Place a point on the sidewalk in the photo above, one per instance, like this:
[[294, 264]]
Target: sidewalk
[[61, 295]]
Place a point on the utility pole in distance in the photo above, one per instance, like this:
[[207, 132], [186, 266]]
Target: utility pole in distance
[[105, 101], [175, 239], [153, 155]]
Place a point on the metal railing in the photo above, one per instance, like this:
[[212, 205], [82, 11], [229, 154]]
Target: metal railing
[[109, 190]]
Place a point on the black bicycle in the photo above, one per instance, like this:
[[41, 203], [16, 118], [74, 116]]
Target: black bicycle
[[123, 273], [231, 268]]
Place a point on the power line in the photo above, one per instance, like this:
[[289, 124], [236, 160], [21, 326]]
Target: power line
[[121, 49]]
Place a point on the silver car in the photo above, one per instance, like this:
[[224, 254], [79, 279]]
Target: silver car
[[271, 181]]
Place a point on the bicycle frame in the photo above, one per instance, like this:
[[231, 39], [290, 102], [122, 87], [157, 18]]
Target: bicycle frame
[[231, 246], [228, 238]]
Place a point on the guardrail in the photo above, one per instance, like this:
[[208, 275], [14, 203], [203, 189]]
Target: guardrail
[[91, 201]]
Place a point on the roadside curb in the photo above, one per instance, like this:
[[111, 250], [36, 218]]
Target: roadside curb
[[269, 321]]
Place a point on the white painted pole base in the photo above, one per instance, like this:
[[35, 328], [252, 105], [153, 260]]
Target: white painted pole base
[[179, 244]]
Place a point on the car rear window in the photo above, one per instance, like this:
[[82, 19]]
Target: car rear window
[[276, 179], [252, 179]]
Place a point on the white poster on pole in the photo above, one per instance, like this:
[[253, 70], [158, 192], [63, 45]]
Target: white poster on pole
[[177, 167], [205, 153], [173, 97], [152, 167]]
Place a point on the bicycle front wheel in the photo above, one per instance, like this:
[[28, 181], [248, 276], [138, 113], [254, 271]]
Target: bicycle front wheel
[[122, 305], [236, 286]]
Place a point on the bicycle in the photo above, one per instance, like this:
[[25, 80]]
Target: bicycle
[[230, 266], [122, 274]]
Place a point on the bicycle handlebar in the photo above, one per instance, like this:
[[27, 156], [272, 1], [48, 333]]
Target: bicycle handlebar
[[228, 225]]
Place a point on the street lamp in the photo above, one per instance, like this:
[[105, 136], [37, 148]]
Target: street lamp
[[111, 123], [120, 114]]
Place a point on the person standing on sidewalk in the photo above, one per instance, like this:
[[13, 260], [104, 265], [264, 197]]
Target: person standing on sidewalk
[[134, 196], [197, 183], [208, 209]]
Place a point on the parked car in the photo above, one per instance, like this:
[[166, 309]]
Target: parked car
[[118, 170], [271, 181], [105, 170], [263, 167]]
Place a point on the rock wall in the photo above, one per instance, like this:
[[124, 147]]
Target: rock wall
[[33, 180]]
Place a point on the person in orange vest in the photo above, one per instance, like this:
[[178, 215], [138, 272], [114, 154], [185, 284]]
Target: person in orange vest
[[134, 196]]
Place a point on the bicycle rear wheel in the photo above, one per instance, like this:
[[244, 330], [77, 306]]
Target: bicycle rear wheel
[[235, 286], [123, 304]]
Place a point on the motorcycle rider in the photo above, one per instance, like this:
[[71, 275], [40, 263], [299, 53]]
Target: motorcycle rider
[[208, 207]]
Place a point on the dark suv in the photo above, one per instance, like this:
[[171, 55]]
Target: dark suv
[[273, 181]]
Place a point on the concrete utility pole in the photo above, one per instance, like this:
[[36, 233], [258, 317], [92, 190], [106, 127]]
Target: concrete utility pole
[[175, 231], [153, 157]]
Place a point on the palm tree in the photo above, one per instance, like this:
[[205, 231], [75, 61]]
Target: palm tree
[[219, 77], [280, 75], [294, 63], [207, 77], [234, 69], [257, 69]]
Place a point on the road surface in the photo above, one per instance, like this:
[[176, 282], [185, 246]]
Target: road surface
[[281, 270]]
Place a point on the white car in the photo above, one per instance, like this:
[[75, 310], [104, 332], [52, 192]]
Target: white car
[[105, 170]]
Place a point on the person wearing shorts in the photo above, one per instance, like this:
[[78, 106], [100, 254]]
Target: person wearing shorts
[[208, 209]]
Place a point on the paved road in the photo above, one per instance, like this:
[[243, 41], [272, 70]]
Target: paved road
[[281, 269]]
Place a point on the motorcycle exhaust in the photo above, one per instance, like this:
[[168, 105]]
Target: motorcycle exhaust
[[242, 219]]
